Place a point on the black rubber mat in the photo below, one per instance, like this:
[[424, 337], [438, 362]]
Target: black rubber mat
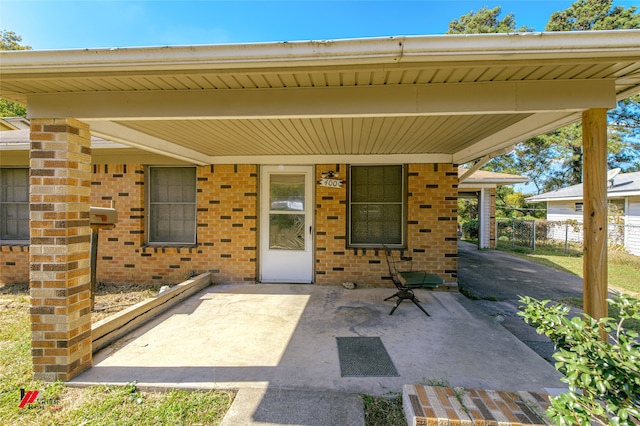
[[364, 357]]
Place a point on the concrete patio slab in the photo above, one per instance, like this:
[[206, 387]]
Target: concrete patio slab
[[283, 337]]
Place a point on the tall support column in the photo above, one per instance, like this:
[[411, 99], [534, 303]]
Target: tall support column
[[492, 218], [594, 141], [60, 183], [486, 219]]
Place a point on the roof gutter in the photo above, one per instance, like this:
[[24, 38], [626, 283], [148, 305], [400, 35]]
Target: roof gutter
[[372, 51]]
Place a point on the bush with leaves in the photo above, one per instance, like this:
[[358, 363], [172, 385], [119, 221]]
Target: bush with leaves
[[603, 377], [471, 229]]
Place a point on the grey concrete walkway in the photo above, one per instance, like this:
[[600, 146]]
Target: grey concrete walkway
[[274, 338]]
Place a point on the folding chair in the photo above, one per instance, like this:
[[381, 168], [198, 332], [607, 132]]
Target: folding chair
[[408, 280]]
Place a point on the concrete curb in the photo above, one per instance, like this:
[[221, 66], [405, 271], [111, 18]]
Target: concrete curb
[[110, 329]]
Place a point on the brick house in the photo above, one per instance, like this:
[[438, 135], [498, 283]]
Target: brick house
[[253, 131], [125, 255]]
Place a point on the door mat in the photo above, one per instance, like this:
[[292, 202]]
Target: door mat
[[364, 357]]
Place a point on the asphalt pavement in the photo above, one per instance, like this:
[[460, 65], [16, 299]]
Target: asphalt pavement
[[497, 280]]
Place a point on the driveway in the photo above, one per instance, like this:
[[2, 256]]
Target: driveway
[[499, 279]]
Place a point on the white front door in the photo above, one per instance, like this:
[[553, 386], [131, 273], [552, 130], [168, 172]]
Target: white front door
[[286, 224]]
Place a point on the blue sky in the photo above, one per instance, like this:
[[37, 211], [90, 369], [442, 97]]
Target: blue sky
[[82, 24]]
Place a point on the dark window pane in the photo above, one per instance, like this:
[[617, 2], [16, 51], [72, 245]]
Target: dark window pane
[[376, 205], [376, 184], [173, 184], [172, 204], [14, 204], [376, 224]]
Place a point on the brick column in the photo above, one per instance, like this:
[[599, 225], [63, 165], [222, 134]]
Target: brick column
[[60, 182]]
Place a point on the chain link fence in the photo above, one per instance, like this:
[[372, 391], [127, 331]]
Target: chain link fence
[[564, 235]]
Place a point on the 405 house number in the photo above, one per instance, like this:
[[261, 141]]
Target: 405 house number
[[331, 180]]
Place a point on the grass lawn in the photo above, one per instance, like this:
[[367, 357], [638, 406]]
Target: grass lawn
[[98, 405], [624, 268]]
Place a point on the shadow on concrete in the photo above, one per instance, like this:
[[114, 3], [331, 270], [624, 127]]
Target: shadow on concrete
[[284, 337]]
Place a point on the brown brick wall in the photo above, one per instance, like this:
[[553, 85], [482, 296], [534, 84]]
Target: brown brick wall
[[431, 232], [227, 232], [226, 227], [14, 264]]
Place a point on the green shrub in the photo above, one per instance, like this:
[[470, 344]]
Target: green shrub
[[470, 229], [603, 377]]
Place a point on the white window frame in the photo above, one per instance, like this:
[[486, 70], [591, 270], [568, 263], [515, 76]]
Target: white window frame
[[6, 204], [403, 214], [150, 204]]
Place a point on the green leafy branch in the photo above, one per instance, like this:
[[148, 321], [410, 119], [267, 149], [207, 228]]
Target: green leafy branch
[[603, 377]]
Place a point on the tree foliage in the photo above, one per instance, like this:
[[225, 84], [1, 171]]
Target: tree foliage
[[554, 160], [484, 21], [593, 15], [603, 376], [11, 41]]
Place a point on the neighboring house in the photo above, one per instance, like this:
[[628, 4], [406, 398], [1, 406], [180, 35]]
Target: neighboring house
[[481, 185], [13, 123], [132, 252], [254, 131], [566, 206]]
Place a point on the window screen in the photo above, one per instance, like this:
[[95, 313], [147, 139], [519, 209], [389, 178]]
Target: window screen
[[376, 205], [172, 205], [14, 204]]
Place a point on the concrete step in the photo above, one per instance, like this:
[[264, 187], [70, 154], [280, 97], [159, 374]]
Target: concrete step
[[426, 405], [274, 407]]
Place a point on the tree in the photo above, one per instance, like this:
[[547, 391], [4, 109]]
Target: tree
[[591, 15], [627, 115], [484, 21], [554, 160], [11, 41]]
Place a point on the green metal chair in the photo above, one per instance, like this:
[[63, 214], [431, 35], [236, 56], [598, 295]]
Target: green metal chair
[[408, 280]]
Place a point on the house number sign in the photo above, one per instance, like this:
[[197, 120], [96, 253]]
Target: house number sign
[[331, 180]]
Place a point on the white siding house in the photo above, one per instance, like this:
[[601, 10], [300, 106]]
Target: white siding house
[[632, 218], [565, 206]]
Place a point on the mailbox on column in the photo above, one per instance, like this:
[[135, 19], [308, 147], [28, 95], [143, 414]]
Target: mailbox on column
[[100, 218], [103, 217]]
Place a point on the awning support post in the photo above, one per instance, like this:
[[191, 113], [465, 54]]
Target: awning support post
[[594, 141]]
